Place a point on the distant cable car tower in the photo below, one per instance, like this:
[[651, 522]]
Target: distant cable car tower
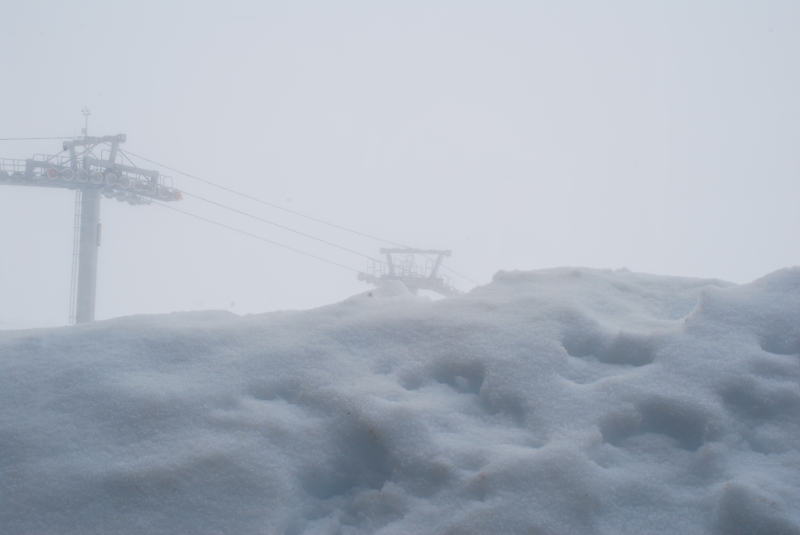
[[90, 176], [406, 270]]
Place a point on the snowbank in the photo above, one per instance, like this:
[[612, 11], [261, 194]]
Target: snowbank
[[560, 401]]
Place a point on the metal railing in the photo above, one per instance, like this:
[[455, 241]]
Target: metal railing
[[406, 268], [10, 165]]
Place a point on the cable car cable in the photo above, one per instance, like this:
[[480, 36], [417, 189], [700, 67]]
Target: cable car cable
[[265, 202], [257, 237], [128, 153], [276, 224], [31, 138]]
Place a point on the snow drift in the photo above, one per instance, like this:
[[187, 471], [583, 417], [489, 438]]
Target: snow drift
[[549, 402]]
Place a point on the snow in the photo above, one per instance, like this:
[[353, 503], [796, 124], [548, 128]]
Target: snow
[[557, 401]]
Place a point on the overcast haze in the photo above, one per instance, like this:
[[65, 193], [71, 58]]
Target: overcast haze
[[661, 137]]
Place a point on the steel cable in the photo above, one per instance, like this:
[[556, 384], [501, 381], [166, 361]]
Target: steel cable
[[276, 224], [128, 153], [255, 236], [31, 138]]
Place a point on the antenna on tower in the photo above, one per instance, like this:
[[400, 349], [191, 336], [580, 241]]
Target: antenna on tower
[[86, 113]]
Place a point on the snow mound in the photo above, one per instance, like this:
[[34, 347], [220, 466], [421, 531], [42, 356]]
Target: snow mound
[[551, 402]]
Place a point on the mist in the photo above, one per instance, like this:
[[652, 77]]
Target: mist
[[661, 138], [612, 347]]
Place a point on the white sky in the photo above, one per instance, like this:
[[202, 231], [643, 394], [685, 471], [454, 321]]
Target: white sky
[[663, 137]]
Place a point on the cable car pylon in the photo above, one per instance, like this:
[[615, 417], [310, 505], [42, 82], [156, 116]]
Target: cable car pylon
[[403, 267], [90, 176]]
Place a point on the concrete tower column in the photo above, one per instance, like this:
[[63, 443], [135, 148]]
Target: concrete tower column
[[87, 260]]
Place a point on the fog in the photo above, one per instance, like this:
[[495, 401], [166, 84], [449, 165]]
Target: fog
[[661, 137]]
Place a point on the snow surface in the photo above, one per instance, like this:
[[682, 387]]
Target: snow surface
[[560, 401]]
